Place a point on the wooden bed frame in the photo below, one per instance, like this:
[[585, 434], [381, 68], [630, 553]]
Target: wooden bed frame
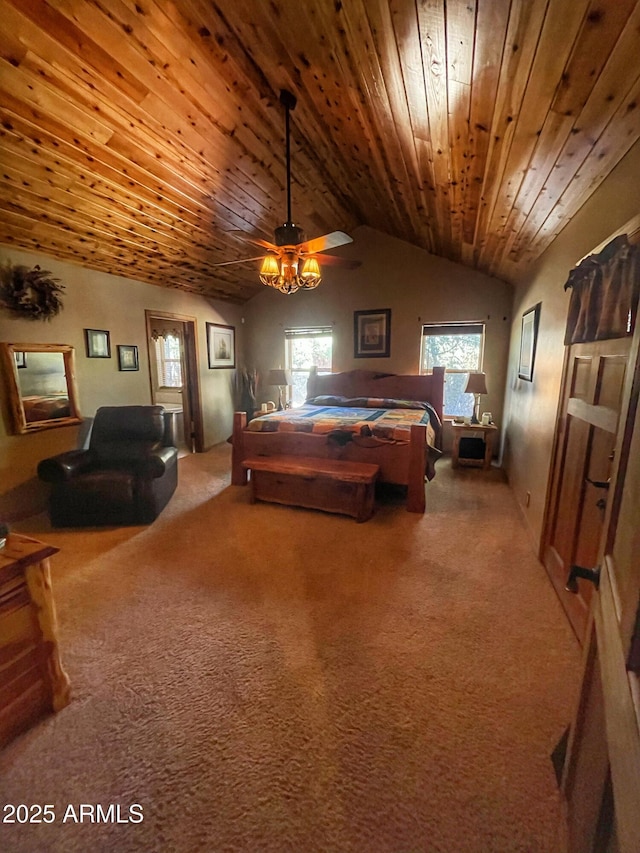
[[400, 462]]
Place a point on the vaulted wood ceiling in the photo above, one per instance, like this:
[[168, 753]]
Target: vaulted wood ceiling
[[135, 134]]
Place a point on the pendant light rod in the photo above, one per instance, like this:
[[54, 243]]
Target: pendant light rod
[[288, 100], [286, 124]]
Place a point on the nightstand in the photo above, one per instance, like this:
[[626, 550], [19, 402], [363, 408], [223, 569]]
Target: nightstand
[[485, 433]]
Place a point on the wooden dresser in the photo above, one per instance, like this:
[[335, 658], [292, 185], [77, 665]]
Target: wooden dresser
[[32, 680]]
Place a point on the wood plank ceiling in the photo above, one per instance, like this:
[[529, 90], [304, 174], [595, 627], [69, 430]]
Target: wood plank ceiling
[[136, 133]]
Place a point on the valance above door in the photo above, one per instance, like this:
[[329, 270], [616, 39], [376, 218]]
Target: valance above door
[[604, 296]]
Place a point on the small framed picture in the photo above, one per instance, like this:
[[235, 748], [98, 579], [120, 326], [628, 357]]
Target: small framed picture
[[98, 343], [21, 359], [221, 345], [372, 333], [127, 357], [528, 341]]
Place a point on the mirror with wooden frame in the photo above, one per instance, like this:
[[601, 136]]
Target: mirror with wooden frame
[[41, 385]]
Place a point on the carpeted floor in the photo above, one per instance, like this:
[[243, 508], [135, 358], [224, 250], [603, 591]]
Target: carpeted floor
[[264, 678]]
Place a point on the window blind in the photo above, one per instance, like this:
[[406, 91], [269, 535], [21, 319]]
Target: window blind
[[453, 329], [314, 332]]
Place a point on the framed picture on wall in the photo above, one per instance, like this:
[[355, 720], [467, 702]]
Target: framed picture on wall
[[528, 341], [98, 343], [372, 333], [128, 357], [221, 345]]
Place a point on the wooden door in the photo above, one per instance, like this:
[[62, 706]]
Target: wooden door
[[584, 455], [601, 780]]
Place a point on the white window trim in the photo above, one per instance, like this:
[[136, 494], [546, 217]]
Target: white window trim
[[161, 361], [305, 332], [453, 328]]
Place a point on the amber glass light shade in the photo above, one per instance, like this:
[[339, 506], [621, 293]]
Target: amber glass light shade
[[281, 272], [270, 271], [310, 274]]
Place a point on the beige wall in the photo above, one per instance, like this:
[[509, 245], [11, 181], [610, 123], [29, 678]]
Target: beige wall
[[417, 287], [531, 407], [100, 301]]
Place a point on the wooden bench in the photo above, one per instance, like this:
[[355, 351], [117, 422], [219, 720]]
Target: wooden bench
[[327, 484]]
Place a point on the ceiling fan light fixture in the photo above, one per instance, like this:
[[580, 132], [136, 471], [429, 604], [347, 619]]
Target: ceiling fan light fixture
[[270, 271], [310, 274], [281, 272], [291, 263], [289, 281], [288, 285], [289, 234]]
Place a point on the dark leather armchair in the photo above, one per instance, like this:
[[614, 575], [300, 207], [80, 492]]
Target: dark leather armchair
[[126, 476]]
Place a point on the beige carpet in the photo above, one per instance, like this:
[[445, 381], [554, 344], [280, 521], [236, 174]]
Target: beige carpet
[[263, 678]]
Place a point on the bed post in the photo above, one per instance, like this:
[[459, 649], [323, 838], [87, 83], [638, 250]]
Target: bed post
[[311, 381], [417, 466], [238, 473]]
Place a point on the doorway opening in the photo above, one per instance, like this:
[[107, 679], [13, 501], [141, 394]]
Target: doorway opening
[[173, 374]]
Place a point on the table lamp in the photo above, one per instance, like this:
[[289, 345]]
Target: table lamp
[[281, 378], [476, 385]]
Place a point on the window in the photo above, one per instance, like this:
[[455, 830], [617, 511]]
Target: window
[[304, 348], [168, 360], [459, 348]]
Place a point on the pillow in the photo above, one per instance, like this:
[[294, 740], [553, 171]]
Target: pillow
[[367, 402], [328, 400], [388, 403]]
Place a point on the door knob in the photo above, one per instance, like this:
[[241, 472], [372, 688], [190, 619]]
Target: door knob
[[576, 572]]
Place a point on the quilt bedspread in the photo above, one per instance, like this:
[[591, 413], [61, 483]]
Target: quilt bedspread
[[381, 421]]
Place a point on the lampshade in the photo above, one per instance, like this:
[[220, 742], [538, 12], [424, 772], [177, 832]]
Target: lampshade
[[282, 271], [270, 271], [311, 273], [476, 384], [278, 376]]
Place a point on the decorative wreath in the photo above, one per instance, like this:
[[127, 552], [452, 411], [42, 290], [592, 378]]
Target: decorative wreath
[[31, 293]]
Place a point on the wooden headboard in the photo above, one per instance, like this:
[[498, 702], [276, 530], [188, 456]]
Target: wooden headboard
[[428, 388]]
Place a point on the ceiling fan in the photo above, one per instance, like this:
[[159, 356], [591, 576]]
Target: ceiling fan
[[292, 262]]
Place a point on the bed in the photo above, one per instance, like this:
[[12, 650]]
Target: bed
[[391, 420], [40, 408]]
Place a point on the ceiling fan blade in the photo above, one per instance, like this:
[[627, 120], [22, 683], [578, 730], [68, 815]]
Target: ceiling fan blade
[[327, 241], [257, 241], [241, 261], [335, 261]]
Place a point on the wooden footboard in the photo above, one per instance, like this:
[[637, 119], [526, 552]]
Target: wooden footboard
[[402, 463]]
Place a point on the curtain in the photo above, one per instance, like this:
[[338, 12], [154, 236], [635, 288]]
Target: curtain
[[167, 340], [246, 390], [604, 294]]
